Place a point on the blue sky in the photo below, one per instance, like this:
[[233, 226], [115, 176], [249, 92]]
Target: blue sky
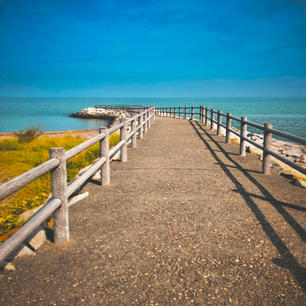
[[152, 48]]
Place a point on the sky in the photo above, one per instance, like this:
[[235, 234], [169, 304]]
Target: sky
[[153, 48]]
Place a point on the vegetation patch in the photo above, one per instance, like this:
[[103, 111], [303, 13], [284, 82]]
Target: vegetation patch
[[17, 157]]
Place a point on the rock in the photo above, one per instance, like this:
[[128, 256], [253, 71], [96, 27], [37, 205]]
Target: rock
[[101, 113], [35, 243], [9, 267]]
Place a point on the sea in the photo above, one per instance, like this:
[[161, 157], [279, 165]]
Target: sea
[[52, 114]]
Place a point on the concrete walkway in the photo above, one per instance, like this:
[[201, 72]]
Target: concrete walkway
[[185, 221]]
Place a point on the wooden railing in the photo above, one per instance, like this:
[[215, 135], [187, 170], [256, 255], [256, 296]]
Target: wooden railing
[[58, 204], [207, 116]]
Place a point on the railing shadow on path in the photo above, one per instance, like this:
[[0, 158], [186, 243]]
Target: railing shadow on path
[[288, 260]]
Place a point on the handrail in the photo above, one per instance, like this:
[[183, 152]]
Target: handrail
[[78, 182], [295, 138], [57, 166], [14, 241], [256, 125], [116, 127], [26, 178], [83, 146], [204, 116], [116, 148]]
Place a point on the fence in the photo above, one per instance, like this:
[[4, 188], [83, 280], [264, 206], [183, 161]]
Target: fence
[[125, 107], [207, 116], [58, 204]]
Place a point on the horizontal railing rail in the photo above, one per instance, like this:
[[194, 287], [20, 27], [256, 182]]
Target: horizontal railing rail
[[26, 178], [207, 115], [57, 206]]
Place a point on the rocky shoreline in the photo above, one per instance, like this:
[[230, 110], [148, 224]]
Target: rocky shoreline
[[114, 115]]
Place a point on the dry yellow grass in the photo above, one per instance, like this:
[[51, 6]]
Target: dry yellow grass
[[17, 158]]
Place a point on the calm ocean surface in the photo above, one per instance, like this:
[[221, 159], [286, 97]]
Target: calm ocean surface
[[51, 114]]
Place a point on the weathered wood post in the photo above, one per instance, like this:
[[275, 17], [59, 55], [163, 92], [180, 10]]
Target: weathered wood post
[[185, 115], [149, 119], [243, 133], [104, 152], [266, 160], [58, 189], [180, 112], [202, 113], [145, 130], [123, 136], [212, 118], [134, 137], [174, 110], [192, 113], [228, 127], [141, 126], [170, 112], [206, 115], [153, 117], [219, 121]]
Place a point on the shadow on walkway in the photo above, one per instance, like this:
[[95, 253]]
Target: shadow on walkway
[[287, 259]]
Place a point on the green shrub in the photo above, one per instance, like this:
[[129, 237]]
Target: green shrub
[[9, 145], [28, 135]]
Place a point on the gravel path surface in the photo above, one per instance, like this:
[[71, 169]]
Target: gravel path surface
[[185, 221]]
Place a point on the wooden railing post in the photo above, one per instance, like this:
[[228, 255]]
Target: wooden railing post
[[243, 133], [174, 110], [151, 113], [170, 112], [206, 115], [185, 115], [266, 160], [141, 126], [149, 120], [212, 118], [134, 137], [58, 189], [123, 136], [180, 112], [219, 121], [202, 113], [228, 127], [104, 152], [145, 126], [192, 113]]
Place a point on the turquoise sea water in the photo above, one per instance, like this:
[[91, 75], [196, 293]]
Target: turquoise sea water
[[51, 114]]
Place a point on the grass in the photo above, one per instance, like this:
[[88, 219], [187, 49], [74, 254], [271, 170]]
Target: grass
[[18, 157]]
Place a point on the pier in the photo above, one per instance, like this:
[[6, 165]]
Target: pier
[[187, 217]]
